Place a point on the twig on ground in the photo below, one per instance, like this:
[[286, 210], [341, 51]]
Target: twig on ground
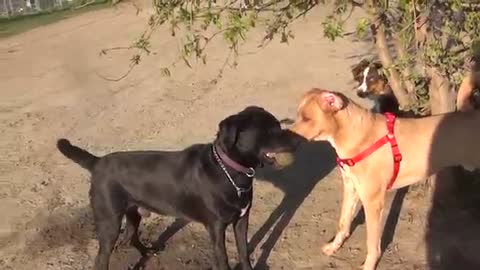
[[86, 4]]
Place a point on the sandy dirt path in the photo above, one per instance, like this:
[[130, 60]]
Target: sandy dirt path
[[50, 88]]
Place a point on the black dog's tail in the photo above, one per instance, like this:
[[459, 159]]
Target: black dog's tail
[[77, 154]]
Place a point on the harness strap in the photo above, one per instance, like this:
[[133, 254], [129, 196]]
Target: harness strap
[[389, 138]]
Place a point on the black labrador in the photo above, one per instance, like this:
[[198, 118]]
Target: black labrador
[[207, 183]]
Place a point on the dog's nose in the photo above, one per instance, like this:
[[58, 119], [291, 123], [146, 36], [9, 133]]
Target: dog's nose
[[361, 93]]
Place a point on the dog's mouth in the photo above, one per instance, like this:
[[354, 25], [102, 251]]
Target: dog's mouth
[[270, 157]]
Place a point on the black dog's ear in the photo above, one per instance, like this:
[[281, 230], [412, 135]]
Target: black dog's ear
[[253, 108], [357, 70], [228, 131]]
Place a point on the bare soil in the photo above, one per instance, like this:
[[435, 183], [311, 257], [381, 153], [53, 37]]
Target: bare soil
[[51, 88]]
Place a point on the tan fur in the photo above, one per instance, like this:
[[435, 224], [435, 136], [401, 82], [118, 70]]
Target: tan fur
[[427, 145]]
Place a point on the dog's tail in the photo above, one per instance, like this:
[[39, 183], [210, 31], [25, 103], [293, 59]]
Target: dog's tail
[[77, 154]]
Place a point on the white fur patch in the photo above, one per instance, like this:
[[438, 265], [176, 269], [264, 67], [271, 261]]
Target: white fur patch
[[363, 86], [244, 210]]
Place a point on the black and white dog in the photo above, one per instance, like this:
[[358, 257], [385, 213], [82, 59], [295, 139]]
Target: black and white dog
[[207, 183], [373, 84]]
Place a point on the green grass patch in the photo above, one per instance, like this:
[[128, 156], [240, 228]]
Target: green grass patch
[[19, 24]]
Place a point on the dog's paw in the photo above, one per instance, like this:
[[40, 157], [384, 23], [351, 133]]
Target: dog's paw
[[329, 249]]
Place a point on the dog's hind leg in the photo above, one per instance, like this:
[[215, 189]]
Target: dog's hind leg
[[108, 207], [349, 206]]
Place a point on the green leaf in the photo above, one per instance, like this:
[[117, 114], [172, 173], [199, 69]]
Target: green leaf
[[165, 72], [135, 60], [362, 27], [332, 28], [186, 62]]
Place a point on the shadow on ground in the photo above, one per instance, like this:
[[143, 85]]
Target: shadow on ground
[[313, 161], [70, 228]]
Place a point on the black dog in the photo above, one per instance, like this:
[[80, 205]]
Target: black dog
[[206, 183]]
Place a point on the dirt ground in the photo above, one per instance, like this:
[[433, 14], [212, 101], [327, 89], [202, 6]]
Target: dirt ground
[[50, 88]]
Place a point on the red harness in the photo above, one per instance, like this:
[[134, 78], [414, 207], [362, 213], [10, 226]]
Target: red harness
[[389, 138]]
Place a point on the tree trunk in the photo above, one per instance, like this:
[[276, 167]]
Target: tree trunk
[[6, 8], [385, 56], [407, 71], [442, 98], [11, 12]]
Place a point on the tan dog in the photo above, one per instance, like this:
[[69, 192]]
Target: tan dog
[[427, 145]]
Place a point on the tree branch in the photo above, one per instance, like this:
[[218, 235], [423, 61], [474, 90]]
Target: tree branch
[[387, 61], [406, 69]]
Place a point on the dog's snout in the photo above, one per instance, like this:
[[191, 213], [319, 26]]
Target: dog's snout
[[361, 93]]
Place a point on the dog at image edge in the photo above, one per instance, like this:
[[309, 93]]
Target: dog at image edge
[[426, 145], [207, 183]]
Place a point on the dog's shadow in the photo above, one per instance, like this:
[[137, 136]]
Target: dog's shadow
[[160, 243], [391, 221], [313, 161]]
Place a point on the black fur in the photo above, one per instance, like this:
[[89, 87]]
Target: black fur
[[384, 103], [188, 184], [80, 156]]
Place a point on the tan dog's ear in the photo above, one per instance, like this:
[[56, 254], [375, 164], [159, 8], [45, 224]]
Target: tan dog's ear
[[330, 102]]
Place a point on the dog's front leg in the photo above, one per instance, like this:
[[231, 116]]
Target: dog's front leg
[[241, 230], [373, 204], [217, 234], [349, 205]]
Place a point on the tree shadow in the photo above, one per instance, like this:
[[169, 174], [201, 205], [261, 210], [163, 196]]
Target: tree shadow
[[453, 228], [391, 221], [75, 227], [313, 161], [61, 228]]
